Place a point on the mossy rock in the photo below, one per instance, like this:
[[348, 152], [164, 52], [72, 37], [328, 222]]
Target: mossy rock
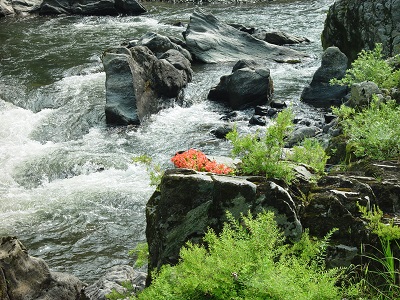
[[336, 150]]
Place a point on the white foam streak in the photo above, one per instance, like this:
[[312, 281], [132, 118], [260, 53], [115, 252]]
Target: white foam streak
[[15, 126]]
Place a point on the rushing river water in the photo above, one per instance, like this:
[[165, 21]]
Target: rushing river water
[[68, 187]]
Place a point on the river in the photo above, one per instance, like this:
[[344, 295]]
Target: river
[[68, 187]]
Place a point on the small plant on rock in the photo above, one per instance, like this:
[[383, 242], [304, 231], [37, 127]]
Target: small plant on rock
[[311, 153], [384, 283], [263, 155], [155, 171], [373, 132], [370, 66]]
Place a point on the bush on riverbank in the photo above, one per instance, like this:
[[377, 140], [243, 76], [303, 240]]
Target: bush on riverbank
[[265, 155], [373, 132], [370, 66], [249, 260]]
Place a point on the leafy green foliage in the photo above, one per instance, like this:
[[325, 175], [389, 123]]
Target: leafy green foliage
[[155, 171], [126, 294], [384, 283], [373, 132], [247, 260], [370, 66], [263, 155], [374, 217], [311, 153], [141, 252]]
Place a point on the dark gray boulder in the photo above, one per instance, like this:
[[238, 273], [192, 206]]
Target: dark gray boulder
[[121, 106], [279, 38], [212, 41], [248, 85], [333, 204], [139, 84], [25, 277], [320, 92], [180, 62], [189, 202], [384, 179], [221, 131], [353, 25], [91, 7], [160, 44], [301, 132]]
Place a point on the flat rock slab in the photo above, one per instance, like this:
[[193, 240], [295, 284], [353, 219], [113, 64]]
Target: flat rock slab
[[212, 41]]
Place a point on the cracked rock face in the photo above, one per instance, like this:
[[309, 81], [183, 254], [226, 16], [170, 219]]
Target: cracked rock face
[[353, 25], [190, 202], [138, 83]]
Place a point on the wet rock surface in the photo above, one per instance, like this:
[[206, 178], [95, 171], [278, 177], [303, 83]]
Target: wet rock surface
[[25, 277], [138, 83], [212, 41], [320, 92], [248, 85]]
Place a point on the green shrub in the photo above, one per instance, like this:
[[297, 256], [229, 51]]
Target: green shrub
[[141, 254], [155, 171], [370, 66], [126, 294], [311, 153], [247, 260], [373, 132], [382, 283], [263, 155]]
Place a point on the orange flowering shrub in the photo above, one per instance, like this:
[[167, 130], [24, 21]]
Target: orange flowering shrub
[[197, 160]]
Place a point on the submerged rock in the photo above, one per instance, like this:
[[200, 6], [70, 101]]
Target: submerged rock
[[248, 85], [25, 277], [279, 38], [212, 41], [91, 7]]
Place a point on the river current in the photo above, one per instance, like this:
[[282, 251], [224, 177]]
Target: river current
[[68, 187]]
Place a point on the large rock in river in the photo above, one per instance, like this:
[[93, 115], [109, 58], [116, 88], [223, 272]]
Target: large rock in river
[[320, 92], [25, 277], [248, 85], [139, 84], [353, 25], [212, 41], [91, 7]]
